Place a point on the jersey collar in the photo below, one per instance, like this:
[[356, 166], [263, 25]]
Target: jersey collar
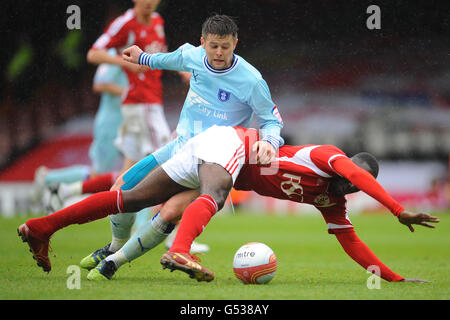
[[222, 71]]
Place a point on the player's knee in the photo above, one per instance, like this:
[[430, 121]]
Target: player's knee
[[219, 195], [220, 191], [134, 201], [173, 209], [118, 183], [171, 213]]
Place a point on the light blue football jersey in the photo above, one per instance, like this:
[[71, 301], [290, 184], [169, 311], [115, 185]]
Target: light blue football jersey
[[228, 97], [110, 73], [102, 152]]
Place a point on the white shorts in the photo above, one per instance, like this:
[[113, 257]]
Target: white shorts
[[144, 129], [220, 145]]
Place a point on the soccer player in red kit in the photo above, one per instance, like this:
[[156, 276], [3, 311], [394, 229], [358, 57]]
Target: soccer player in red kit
[[144, 127], [320, 175], [314, 174]]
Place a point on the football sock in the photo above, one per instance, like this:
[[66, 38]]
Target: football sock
[[195, 218], [92, 208], [121, 225], [102, 182], [146, 237], [67, 175], [142, 217], [67, 190], [359, 252], [118, 258], [116, 244]]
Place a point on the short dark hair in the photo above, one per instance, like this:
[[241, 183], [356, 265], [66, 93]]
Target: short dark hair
[[221, 25], [368, 160]]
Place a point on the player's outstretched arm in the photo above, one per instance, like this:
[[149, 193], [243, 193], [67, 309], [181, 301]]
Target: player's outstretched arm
[[98, 56], [422, 219], [362, 255]]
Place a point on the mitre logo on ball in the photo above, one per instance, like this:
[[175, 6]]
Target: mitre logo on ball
[[254, 263]]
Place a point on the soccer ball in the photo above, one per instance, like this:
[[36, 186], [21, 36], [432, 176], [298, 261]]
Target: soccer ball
[[254, 263]]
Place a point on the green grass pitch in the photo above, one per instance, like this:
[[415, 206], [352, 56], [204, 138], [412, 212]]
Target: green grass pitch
[[311, 263]]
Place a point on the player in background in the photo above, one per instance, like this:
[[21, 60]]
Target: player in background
[[110, 82], [144, 127], [224, 89], [214, 161]]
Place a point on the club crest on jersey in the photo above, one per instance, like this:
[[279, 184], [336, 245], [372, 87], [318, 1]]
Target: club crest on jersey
[[223, 95], [322, 200]]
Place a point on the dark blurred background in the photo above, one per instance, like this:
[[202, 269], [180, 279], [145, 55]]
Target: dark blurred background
[[386, 91]]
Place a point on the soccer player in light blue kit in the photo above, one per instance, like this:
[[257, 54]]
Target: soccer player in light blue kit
[[108, 118], [110, 81], [224, 90]]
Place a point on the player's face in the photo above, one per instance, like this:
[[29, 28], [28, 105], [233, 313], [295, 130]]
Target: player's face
[[219, 50], [146, 7]]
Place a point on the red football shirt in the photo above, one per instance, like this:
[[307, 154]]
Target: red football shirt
[[300, 174], [125, 31]]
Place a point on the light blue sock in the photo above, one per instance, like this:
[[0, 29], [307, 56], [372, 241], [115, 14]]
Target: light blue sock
[[148, 236], [121, 225], [67, 175], [142, 217]]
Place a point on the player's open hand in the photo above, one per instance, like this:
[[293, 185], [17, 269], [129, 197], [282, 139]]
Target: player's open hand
[[131, 54], [422, 219], [414, 280], [265, 152]]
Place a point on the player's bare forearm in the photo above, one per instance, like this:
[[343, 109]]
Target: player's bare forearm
[[98, 56]]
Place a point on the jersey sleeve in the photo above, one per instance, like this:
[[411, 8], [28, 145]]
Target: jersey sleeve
[[336, 218], [323, 156], [267, 114], [365, 182], [175, 60], [115, 35]]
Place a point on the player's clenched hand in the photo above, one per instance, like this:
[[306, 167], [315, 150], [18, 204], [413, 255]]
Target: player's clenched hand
[[408, 219], [265, 152], [131, 54]]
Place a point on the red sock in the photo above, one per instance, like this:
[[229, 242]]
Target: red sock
[[361, 253], [195, 218], [92, 208], [100, 183]]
